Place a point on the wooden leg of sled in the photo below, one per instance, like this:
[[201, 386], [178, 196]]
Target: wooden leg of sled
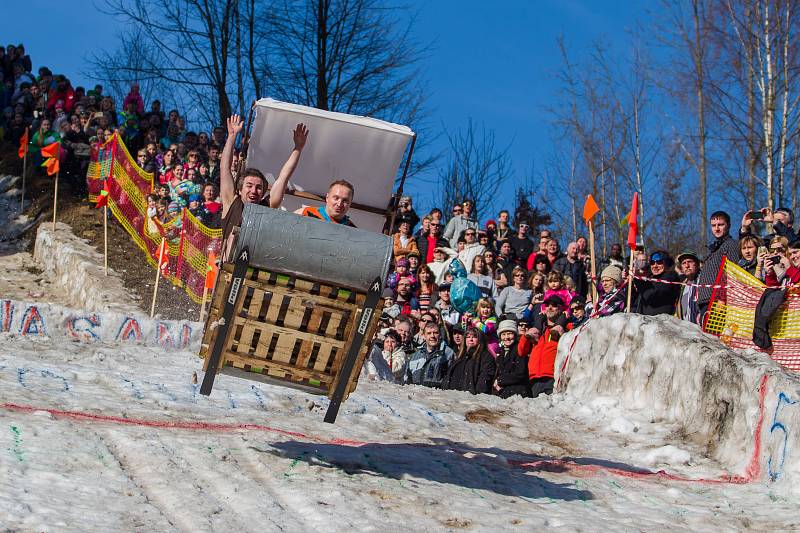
[[215, 356], [351, 357]]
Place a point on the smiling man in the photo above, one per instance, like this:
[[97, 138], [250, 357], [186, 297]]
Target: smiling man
[[251, 185], [337, 204]]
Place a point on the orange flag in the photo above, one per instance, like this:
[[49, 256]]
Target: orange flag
[[23, 144], [52, 166], [102, 198], [51, 153], [51, 150], [163, 254], [211, 270], [590, 209]]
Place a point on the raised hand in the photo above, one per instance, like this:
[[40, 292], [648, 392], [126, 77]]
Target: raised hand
[[300, 136], [235, 124]]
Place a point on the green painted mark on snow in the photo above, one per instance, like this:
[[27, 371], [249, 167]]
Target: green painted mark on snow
[[16, 448], [314, 382]]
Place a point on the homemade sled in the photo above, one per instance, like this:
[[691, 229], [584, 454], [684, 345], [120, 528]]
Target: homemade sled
[[296, 307], [271, 321]]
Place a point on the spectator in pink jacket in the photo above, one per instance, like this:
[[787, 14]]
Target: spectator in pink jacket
[[136, 98]]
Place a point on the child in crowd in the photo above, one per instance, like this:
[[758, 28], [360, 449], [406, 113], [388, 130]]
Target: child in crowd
[[557, 287], [486, 321]]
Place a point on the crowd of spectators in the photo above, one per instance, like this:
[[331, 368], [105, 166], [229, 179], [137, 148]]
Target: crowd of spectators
[[533, 292], [185, 163]]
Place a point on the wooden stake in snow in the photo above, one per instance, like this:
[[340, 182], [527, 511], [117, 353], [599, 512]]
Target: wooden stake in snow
[[630, 281], [24, 172], [158, 274], [105, 238], [55, 200]]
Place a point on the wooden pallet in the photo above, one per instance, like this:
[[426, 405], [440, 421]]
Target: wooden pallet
[[288, 330]]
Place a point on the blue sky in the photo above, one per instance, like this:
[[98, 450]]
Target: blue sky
[[491, 61]]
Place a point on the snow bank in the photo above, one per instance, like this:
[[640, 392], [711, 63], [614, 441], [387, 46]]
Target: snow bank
[[741, 407], [12, 222], [47, 320], [78, 267]]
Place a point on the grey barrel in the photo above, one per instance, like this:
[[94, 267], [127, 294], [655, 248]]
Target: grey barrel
[[313, 248]]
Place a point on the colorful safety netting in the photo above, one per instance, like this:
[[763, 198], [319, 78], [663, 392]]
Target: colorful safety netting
[[189, 241], [732, 313]]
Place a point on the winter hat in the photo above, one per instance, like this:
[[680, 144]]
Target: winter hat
[[173, 208], [507, 325], [554, 300], [402, 262], [490, 222], [194, 198], [687, 254], [612, 272]]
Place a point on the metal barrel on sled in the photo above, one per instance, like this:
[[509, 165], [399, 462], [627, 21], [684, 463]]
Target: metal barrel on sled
[[297, 305]]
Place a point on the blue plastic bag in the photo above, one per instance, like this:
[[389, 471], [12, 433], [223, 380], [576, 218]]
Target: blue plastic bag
[[464, 294]]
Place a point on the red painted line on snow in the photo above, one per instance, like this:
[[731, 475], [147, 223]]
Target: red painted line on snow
[[752, 472], [173, 424]]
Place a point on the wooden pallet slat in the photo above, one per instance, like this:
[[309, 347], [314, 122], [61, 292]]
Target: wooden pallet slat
[[288, 329]]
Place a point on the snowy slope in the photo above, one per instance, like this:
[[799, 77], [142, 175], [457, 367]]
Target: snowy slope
[[110, 436], [129, 444]]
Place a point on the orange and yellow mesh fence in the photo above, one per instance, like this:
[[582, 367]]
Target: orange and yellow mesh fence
[[733, 309], [189, 240]]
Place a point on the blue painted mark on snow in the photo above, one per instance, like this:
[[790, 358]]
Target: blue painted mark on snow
[[48, 374], [21, 376], [259, 397], [162, 389], [776, 468], [385, 405], [231, 401], [134, 389]]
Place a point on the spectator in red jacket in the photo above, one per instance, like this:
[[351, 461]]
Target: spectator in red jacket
[[541, 363]]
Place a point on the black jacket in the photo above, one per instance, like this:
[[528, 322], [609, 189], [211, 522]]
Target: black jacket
[[454, 380], [512, 373], [479, 373], [576, 271], [658, 298]]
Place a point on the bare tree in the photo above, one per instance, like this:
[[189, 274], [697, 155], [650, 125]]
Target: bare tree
[[476, 169], [195, 48]]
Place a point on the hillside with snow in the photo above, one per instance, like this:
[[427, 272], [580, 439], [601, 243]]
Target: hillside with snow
[[655, 426]]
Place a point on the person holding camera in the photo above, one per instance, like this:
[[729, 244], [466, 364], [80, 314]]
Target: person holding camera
[[776, 262]]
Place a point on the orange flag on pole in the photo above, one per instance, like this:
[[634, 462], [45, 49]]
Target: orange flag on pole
[[163, 256], [23, 144], [51, 153], [590, 209], [211, 271], [102, 198], [633, 224]]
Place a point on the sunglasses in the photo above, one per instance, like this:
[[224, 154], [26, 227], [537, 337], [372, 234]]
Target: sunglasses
[[470, 233], [657, 262], [777, 249], [552, 306]]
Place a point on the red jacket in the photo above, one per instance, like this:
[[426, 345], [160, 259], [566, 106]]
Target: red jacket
[[542, 360], [792, 274]]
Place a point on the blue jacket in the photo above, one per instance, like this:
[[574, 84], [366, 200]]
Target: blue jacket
[[428, 368]]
